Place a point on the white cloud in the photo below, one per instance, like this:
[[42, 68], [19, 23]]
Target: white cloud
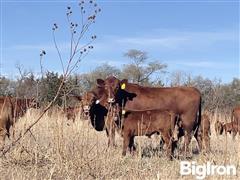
[[167, 40], [48, 47], [211, 64], [160, 40]]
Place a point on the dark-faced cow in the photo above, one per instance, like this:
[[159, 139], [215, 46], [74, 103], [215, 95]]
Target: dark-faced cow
[[185, 101], [96, 111]]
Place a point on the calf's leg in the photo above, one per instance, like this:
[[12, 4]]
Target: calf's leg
[[167, 138], [3, 133], [126, 141], [131, 146]]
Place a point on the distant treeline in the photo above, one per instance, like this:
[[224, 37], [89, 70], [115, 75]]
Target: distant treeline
[[215, 94], [140, 70]]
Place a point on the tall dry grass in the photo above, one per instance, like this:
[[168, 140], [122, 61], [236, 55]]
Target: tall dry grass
[[58, 149]]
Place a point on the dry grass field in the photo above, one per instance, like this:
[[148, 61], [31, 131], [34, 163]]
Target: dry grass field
[[76, 151]]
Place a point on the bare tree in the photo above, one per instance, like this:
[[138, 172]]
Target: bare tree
[[140, 70], [180, 78], [88, 80], [78, 51]]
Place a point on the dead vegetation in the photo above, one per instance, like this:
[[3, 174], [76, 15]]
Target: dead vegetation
[[55, 150]]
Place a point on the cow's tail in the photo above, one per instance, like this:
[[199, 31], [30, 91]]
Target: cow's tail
[[198, 118], [232, 117], [200, 112]]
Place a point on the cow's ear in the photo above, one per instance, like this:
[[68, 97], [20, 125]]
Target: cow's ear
[[100, 82], [79, 98], [131, 96], [124, 81]]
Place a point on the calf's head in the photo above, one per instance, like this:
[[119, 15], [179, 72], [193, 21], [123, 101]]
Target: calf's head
[[88, 99]]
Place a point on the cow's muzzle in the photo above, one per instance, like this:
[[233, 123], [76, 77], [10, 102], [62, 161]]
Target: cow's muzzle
[[111, 100], [86, 109]]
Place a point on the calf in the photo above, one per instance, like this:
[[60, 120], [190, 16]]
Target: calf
[[205, 132], [139, 123], [232, 127], [72, 112], [94, 110], [102, 116]]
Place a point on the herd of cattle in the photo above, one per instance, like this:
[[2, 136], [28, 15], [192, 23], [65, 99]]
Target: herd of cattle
[[134, 110]]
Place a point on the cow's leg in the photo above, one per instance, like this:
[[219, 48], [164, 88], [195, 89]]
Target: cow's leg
[[3, 133], [112, 134], [108, 136], [189, 120], [234, 133], [162, 142], [8, 129], [200, 137], [207, 142], [126, 141], [174, 126], [167, 138], [176, 133], [131, 145], [187, 140], [109, 130]]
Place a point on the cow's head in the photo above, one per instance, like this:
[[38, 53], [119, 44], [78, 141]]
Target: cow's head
[[94, 105], [33, 103], [87, 100], [97, 95], [218, 127], [112, 85]]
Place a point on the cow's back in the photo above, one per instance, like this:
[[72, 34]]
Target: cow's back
[[236, 114], [147, 121], [177, 99], [6, 111], [205, 124]]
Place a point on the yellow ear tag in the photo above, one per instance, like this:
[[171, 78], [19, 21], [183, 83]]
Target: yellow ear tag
[[123, 86], [123, 112]]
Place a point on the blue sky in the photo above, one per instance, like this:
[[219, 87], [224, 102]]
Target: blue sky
[[198, 37]]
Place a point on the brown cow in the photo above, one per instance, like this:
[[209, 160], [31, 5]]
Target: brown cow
[[185, 101], [230, 127], [101, 115], [113, 122], [236, 115], [93, 109], [139, 123], [10, 110], [72, 112], [219, 127], [205, 132]]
